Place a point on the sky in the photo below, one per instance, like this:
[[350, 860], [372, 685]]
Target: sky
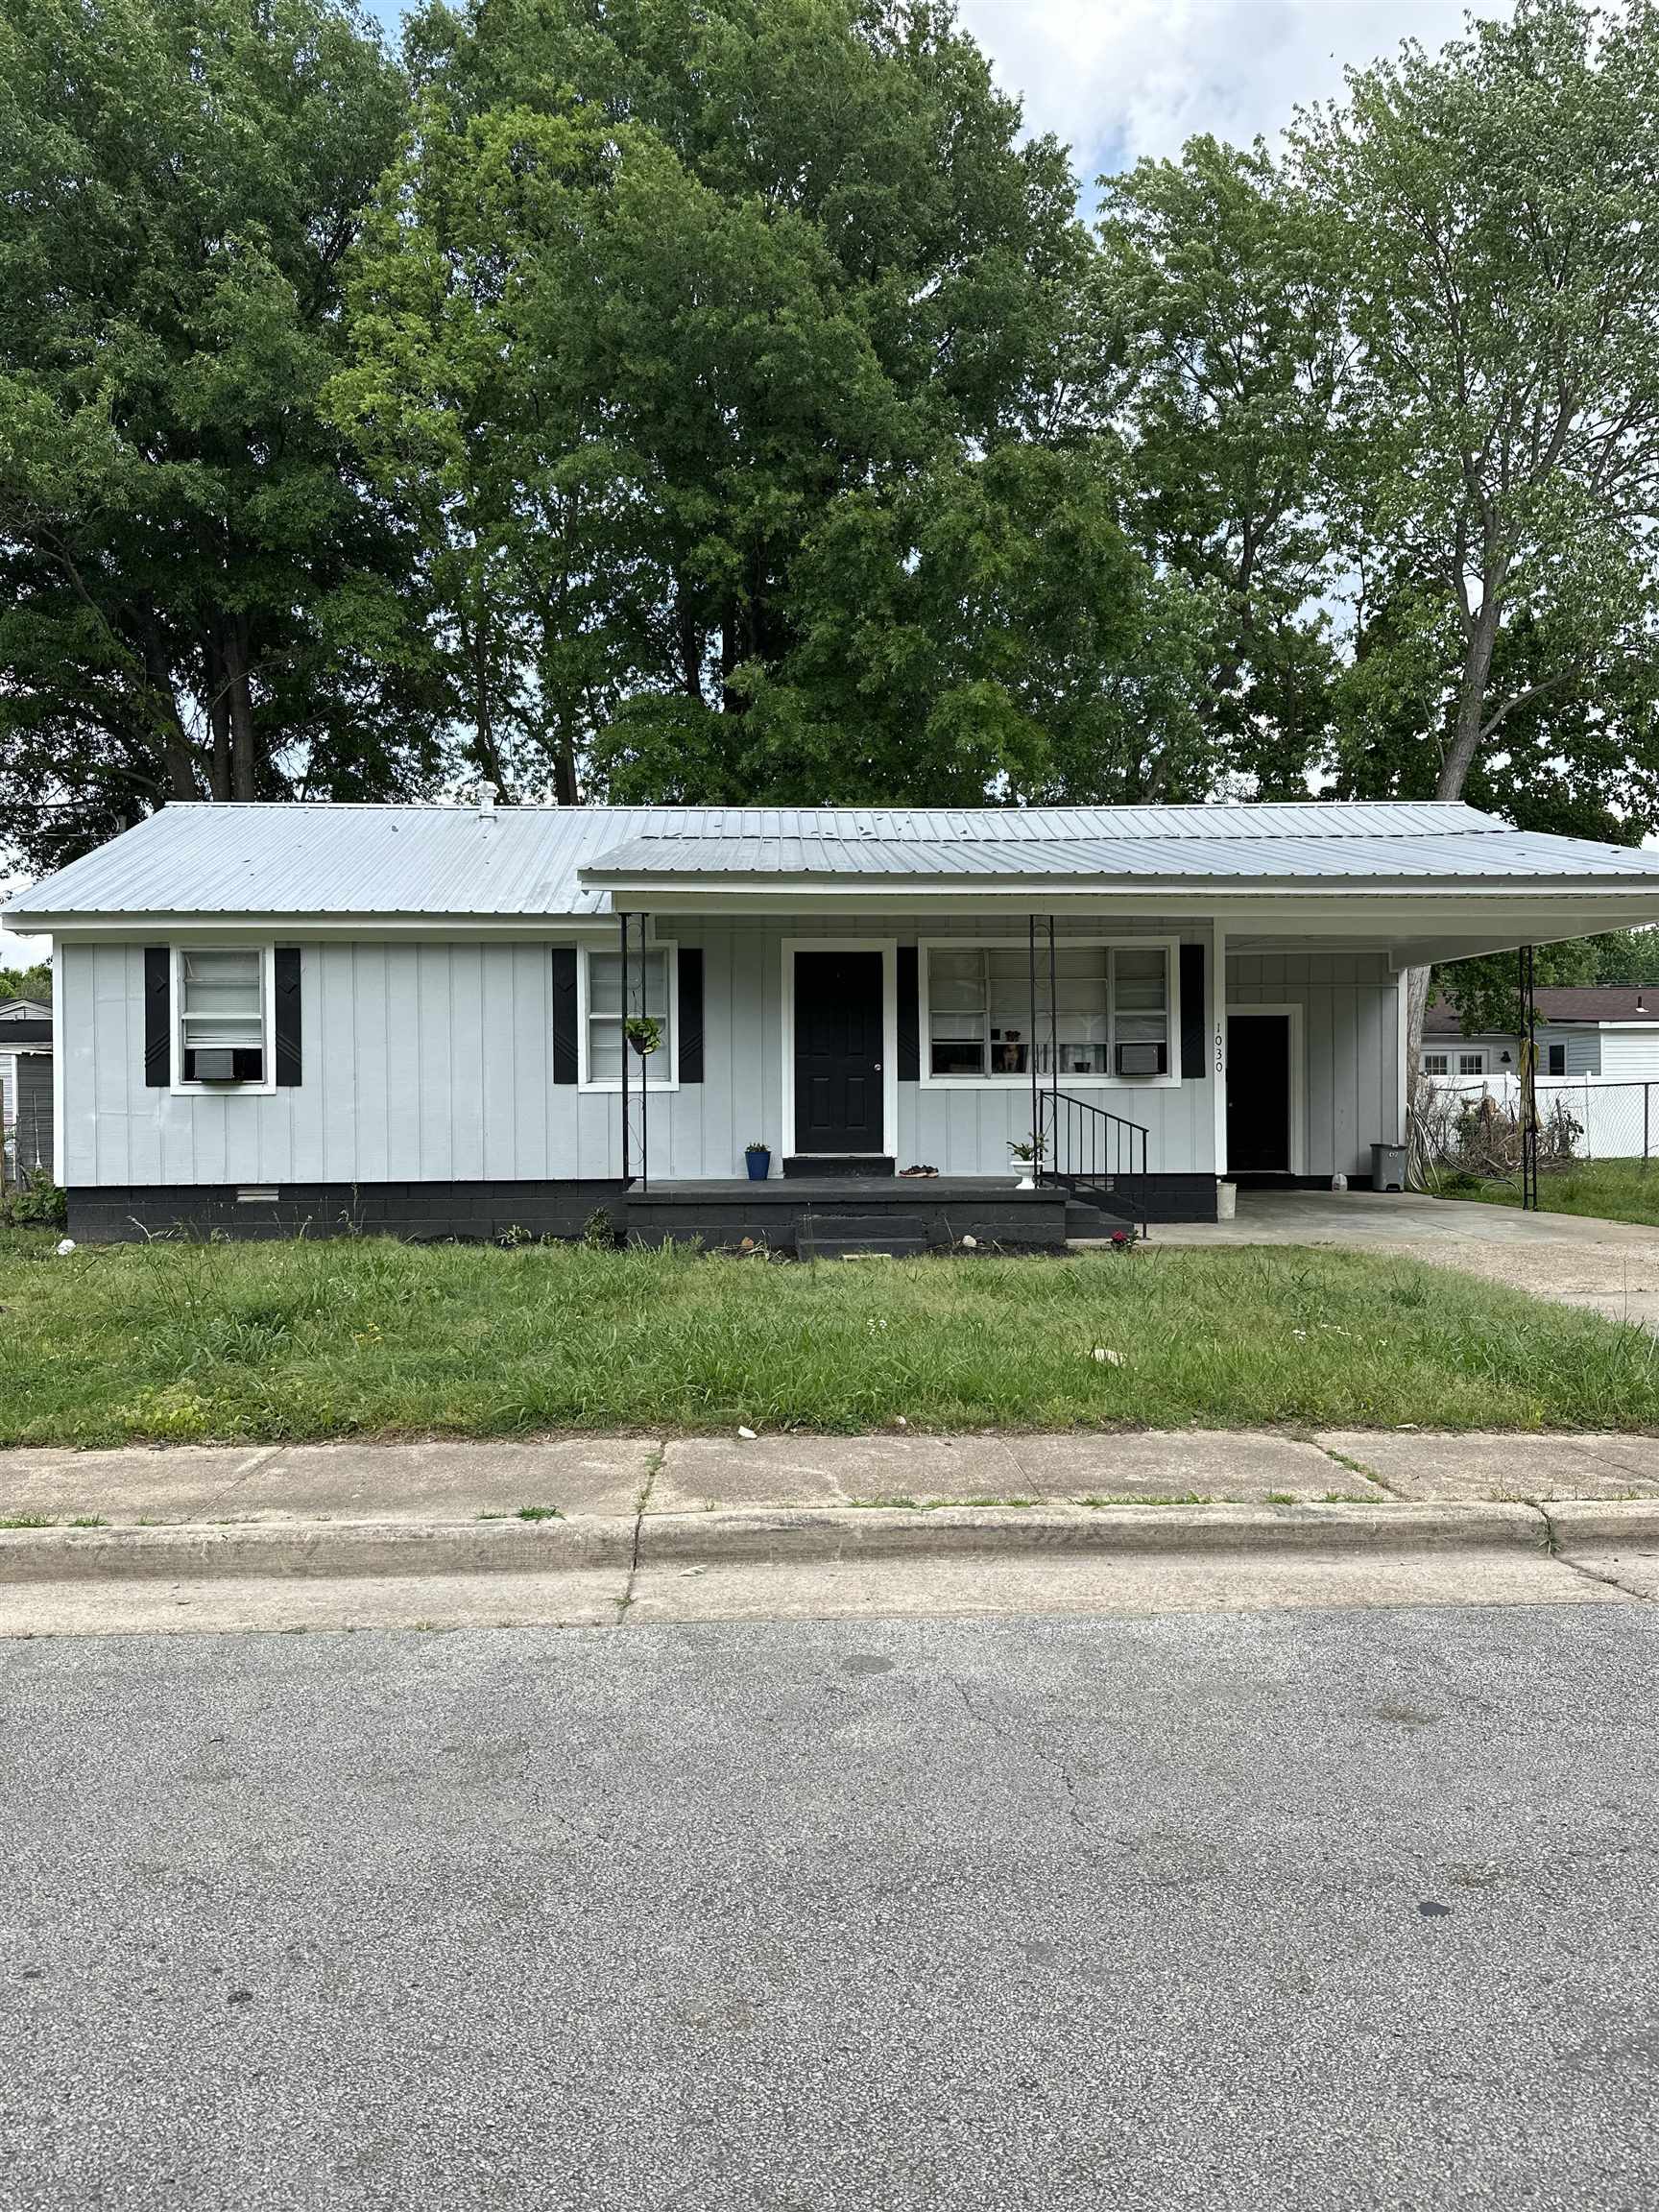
[[1120, 79]]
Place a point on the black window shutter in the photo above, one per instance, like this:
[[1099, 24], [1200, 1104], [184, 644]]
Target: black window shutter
[[910, 1017], [691, 1013], [158, 1017], [563, 1014], [287, 1025], [1194, 1023]]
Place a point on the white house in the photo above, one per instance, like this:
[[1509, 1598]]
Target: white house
[[412, 1018], [1583, 1029]]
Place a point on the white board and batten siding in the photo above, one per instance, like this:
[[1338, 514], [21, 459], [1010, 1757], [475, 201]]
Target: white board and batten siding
[[1352, 1083], [431, 1061]]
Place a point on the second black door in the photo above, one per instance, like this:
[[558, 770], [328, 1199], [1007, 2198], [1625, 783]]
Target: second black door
[[838, 1053], [1258, 1092]]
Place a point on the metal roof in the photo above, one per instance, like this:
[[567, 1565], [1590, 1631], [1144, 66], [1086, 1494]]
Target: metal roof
[[329, 860]]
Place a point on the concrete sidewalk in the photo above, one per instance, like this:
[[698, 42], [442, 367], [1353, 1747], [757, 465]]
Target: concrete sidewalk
[[582, 1530], [598, 1478]]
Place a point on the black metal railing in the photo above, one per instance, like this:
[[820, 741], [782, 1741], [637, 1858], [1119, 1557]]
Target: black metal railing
[[1099, 1156]]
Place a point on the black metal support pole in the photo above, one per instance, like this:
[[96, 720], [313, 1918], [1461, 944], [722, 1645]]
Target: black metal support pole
[[626, 1177], [1533, 1066], [644, 1078], [1053, 1034], [1031, 1054]]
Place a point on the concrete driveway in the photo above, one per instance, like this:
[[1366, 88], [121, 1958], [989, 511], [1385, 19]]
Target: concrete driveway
[[1610, 1266]]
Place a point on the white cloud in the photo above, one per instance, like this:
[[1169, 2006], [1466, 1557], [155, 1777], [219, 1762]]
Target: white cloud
[[1117, 79]]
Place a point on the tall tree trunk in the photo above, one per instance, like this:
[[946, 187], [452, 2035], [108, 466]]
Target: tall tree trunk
[[239, 693], [559, 715], [219, 720], [484, 748], [1482, 639], [178, 753]]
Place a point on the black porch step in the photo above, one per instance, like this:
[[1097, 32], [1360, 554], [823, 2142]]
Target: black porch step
[[813, 1167], [861, 1236], [1124, 1201]]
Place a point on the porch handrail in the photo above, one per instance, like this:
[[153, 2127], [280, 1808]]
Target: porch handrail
[[1085, 1148]]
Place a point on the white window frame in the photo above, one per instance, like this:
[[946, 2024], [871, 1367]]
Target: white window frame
[[611, 1085], [265, 1086], [1443, 1071], [1169, 946], [1477, 1053]]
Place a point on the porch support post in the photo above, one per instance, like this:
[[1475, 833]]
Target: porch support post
[[1218, 1042], [623, 919], [1053, 1034], [1031, 1050], [1529, 1081]]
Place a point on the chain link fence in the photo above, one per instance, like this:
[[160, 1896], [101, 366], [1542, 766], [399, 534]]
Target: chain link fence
[[26, 1141], [1471, 1125]]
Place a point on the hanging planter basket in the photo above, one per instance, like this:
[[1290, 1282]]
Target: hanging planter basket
[[644, 1032]]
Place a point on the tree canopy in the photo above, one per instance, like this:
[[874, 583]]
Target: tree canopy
[[722, 400], [199, 594]]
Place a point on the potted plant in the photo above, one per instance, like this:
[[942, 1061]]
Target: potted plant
[[1027, 1153], [644, 1032], [758, 1158]]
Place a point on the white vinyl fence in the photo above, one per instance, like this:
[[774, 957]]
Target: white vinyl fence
[[1581, 1116]]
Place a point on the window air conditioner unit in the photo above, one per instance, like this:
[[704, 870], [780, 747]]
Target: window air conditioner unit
[[1142, 1059], [214, 1067]]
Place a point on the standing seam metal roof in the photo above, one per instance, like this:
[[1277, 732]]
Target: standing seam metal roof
[[340, 860]]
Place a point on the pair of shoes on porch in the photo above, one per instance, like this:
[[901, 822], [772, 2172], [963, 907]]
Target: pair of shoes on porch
[[918, 1172]]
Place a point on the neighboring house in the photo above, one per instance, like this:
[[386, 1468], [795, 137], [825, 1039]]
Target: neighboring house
[[1591, 1029], [26, 1115], [412, 1018]]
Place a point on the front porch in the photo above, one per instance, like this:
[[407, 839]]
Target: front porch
[[839, 1217]]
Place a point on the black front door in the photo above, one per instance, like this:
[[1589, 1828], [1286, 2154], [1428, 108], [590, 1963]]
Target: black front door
[[838, 1053], [1257, 1093]]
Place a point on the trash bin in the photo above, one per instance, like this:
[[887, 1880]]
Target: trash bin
[[1387, 1167]]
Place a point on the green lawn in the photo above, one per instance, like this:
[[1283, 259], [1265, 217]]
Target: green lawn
[[199, 1341], [1609, 1190]]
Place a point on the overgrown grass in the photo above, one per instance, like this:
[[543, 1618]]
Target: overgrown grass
[[277, 1341], [1607, 1189]]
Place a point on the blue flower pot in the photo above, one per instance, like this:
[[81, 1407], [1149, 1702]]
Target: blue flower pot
[[760, 1166]]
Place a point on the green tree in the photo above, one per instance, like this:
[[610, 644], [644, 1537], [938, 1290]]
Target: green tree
[[1501, 466], [33, 982], [721, 341], [1220, 281], [1487, 991], [199, 594]]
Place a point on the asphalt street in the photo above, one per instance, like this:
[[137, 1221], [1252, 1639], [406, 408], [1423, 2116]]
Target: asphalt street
[[1303, 1909]]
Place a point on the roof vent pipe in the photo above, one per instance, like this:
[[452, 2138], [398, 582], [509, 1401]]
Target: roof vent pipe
[[486, 801]]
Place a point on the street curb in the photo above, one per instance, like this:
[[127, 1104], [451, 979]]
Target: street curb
[[751, 1536], [755, 1536], [190, 1552], [1576, 1521]]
